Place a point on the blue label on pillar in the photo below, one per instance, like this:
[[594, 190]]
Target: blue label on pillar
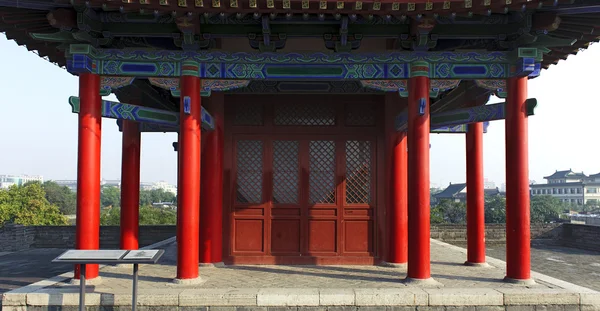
[[422, 104], [187, 105]]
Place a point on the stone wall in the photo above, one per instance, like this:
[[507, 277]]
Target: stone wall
[[581, 236], [17, 238], [494, 233]]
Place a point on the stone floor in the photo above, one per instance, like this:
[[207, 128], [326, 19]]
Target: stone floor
[[573, 265], [18, 269], [257, 286], [446, 267]]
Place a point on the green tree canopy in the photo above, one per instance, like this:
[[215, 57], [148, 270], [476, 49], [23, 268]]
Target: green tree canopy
[[545, 208], [110, 196], [495, 210], [147, 197], [27, 205], [61, 196], [148, 216], [448, 211]]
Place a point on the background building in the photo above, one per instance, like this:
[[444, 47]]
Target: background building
[[9, 180], [458, 193], [570, 187]]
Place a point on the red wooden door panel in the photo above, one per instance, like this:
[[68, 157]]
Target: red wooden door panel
[[249, 204]]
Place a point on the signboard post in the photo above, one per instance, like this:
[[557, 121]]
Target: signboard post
[[82, 257]]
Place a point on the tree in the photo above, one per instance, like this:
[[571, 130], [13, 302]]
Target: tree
[[61, 196], [27, 205], [148, 216], [545, 208], [448, 211], [147, 197], [495, 210], [110, 196]]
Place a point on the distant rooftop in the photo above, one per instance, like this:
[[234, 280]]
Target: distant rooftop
[[566, 174]]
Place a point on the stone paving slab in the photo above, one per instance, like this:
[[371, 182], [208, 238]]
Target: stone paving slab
[[370, 288]]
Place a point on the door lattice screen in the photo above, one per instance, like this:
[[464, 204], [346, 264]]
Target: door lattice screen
[[358, 172], [249, 171], [322, 172], [285, 171], [307, 114]]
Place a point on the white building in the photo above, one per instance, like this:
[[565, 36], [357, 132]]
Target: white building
[[488, 184], [570, 187], [9, 180], [160, 185]]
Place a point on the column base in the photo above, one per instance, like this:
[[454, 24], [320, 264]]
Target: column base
[[430, 282], [194, 281], [95, 281], [519, 281], [393, 265], [477, 264], [213, 265]]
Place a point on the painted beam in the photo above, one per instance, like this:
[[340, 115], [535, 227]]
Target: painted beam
[[457, 129], [158, 117], [465, 115], [152, 127], [297, 66]]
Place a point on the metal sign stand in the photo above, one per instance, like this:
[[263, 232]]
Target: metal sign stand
[[84, 257]]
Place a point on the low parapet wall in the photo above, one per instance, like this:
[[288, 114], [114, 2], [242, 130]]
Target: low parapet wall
[[494, 233], [17, 237], [581, 236]]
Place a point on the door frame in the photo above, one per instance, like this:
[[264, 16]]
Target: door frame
[[336, 133]]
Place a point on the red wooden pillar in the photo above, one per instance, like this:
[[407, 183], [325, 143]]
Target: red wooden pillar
[[517, 183], [130, 185], [475, 196], [88, 168], [211, 200], [418, 173], [188, 196], [398, 208]]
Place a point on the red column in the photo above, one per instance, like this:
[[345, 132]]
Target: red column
[[475, 196], [188, 196], [211, 200], [398, 205], [130, 185], [88, 168], [418, 174], [517, 183]]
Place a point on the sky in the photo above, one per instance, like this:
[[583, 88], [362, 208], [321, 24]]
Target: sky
[[38, 132]]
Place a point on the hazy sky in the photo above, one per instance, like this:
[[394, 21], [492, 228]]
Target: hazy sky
[[39, 132]]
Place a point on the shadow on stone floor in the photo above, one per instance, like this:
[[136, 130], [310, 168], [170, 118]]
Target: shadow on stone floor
[[324, 275]]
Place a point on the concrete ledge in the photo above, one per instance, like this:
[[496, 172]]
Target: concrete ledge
[[464, 297], [287, 297], [337, 297], [539, 296], [218, 297], [390, 297]]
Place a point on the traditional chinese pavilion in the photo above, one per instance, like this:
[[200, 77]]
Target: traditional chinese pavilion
[[304, 124]]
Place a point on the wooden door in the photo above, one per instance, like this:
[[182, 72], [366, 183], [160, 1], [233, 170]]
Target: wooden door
[[302, 194], [303, 197]]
